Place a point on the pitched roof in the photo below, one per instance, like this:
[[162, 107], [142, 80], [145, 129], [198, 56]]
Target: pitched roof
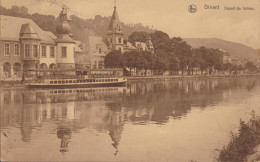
[[114, 22], [77, 47], [95, 41], [141, 45], [28, 32], [130, 46], [10, 28], [149, 42]]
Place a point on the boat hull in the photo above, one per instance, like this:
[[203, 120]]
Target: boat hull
[[114, 84]]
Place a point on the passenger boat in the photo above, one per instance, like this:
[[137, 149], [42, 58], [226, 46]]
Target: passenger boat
[[77, 83]]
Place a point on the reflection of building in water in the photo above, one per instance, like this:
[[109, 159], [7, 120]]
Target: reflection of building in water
[[64, 133], [116, 123], [30, 118], [19, 97]]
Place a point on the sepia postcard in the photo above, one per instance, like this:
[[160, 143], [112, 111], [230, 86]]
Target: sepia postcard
[[130, 80]]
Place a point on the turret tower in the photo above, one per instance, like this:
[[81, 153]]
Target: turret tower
[[65, 44], [149, 44], [115, 33]]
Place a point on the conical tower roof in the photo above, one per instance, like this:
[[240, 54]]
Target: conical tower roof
[[115, 24]]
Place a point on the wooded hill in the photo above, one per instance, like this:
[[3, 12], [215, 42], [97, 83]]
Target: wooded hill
[[234, 49], [81, 28]]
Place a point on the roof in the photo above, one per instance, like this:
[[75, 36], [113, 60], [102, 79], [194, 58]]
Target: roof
[[141, 45], [149, 43], [10, 28], [27, 32], [129, 45], [95, 41], [77, 47], [114, 23]]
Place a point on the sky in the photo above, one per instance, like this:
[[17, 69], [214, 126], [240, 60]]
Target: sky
[[170, 16]]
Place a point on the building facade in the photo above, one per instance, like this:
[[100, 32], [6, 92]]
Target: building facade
[[25, 48], [98, 46]]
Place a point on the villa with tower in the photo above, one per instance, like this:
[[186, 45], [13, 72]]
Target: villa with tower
[[27, 50], [99, 46]]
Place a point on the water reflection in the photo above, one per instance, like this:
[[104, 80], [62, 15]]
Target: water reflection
[[115, 123], [64, 134], [108, 109]]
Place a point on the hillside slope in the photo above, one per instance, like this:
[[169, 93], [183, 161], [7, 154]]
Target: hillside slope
[[234, 49]]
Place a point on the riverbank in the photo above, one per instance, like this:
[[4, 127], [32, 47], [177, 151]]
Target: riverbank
[[16, 83], [11, 84], [245, 145], [166, 77]]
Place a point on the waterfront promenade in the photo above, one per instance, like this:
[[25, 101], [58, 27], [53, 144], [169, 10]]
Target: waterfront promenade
[[17, 82]]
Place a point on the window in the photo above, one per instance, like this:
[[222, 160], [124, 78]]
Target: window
[[64, 52], [16, 49], [99, 50], [35, 50], [27, 50], [52, 51], [119, 40], [110, 40], [43, 51], [7, 49]]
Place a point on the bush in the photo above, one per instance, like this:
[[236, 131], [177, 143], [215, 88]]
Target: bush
[[243, 143]]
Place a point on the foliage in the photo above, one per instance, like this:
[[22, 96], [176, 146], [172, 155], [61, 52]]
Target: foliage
[[174, 63], [250, 66], [140, 36], [81, 28], [114, 59], [183, 51], [133, 59], [160, 40], [243, 143], [161, 63]]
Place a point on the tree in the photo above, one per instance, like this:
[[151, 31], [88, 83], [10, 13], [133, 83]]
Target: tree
[[18, 11], [132, 60], [161, 63], [196, 59], [160, 40], [173, 62], [227, 66], [147, 60], [183, 52], [250, 66], [114, 59], [140, 36], [218, 60]]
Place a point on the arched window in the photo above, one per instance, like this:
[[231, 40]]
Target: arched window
[[7, 69]]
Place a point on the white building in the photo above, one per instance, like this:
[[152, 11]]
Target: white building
[[25, 47]]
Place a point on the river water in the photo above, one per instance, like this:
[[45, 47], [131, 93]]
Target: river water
[[170, 120]]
